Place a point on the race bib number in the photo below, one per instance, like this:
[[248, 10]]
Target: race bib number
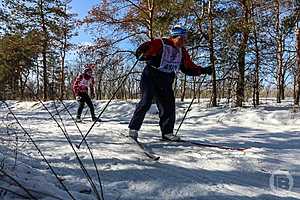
[[170, 59]]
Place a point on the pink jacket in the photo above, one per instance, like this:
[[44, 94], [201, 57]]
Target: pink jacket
[[82, 84]]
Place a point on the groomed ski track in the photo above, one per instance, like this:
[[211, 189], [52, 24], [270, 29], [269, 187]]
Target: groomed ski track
[[183, 171]]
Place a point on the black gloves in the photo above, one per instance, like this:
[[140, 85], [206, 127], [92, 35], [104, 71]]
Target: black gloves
[[207, 70]]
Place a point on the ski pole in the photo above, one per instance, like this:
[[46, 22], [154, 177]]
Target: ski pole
[[188, 109], [111, 98]]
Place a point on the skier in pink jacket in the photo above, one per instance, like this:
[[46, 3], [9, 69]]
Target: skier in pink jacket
[[81, 86]]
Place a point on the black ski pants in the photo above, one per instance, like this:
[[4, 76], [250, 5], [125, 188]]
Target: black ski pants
[[156, 85], [85, 99]]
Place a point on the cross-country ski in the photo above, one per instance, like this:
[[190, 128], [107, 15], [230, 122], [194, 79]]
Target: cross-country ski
[[212, 145], [141, 147]]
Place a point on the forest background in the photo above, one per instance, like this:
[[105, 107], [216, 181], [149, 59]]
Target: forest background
[[252, 46]]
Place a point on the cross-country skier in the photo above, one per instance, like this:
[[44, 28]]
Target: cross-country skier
[[81, 86], [164, 58]]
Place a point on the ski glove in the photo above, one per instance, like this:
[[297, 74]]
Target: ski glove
[[207, 70], [78, 98]]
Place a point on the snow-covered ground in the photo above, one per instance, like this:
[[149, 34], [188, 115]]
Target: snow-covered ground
[[269, 170]]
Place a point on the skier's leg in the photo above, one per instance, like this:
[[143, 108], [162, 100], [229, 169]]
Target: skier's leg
[[166, 106], [80, 108], [91, 106], [143, 106]]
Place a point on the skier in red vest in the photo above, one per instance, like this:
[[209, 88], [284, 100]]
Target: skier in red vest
[[164, 58], [81, 86]]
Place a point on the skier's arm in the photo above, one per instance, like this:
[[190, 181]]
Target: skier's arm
[[76, 85], [189, 68], [149, 49]]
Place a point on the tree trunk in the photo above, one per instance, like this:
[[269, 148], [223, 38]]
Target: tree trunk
[[229, 91], [45, 78], [212, 54], [23, 83], [21, 87], [62, 75], [278, 53], [297, 96], [44, 52], [256, 72], [63, 56], [240, 90], [99, 76], [241, 66], [37, 80], [199, 91], [150, 21]]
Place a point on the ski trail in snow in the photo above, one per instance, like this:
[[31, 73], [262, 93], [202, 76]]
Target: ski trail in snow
[[183, 171]]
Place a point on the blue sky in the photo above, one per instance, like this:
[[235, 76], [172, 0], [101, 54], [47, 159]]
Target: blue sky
[[81, 7]]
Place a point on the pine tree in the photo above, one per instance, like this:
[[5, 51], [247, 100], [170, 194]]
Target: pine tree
[[43, 16]]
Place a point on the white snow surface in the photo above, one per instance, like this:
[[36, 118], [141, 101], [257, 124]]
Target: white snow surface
[[268, 170]]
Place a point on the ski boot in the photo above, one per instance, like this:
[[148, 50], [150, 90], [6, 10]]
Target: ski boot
[[171, 137]]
